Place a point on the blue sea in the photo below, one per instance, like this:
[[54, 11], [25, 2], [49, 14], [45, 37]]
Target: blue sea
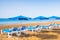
[[22, 21]]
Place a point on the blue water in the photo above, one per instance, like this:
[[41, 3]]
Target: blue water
[[20, 22]]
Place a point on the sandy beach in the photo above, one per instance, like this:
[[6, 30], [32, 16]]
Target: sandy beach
[[43, 35], [34, 36]]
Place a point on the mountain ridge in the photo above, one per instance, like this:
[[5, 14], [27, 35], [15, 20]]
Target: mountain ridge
[[28, 18]]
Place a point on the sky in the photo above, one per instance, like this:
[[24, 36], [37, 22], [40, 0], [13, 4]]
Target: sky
[[29, 8]]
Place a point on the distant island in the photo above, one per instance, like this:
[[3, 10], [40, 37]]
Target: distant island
[[28, 18]]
